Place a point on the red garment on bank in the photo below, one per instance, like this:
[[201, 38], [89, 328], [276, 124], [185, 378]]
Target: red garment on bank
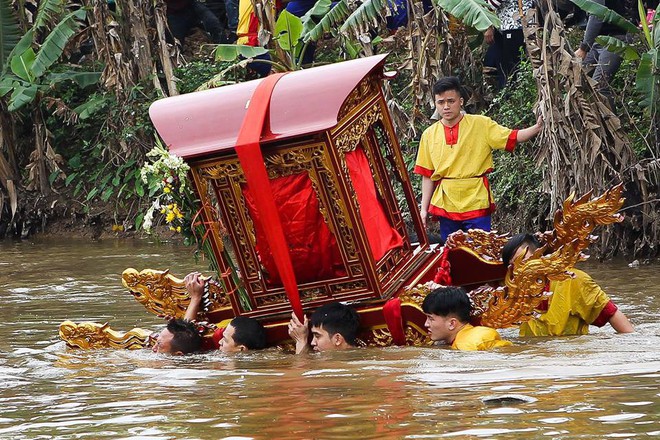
[[313, 248]]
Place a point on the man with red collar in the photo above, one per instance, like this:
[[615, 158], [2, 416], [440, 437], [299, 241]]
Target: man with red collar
[[455, 157]]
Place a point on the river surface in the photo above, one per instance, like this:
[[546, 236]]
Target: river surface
[[599, 386]]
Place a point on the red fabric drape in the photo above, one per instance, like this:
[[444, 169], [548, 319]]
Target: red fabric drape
[[313, 248], [249, 155], [381, 235], [394, 320]]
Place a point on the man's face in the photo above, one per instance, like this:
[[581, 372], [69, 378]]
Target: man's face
[[449, 105], [322, 340], [523, 250], [227, 343], [164, 342], [440, 327]]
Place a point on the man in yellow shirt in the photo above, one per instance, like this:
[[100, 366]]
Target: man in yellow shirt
[[575, 303], [454, 159], [448, 319]]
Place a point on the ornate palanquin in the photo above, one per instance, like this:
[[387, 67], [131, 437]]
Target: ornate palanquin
[[334, 165], [348, 163]]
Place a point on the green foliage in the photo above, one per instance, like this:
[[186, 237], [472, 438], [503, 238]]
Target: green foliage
[[617, 46], [10, 33], [368, 12], [49, 12], [53, 46], [231, 52], [517, 178], [329, 23], [288, 30], [474, 13], [196, 73], [606, 14], [315, 15]]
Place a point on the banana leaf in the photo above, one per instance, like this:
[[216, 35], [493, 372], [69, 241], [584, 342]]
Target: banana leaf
[[316, 14], [230, 52], [614, 45], [366, 15], [10, 33], [22, 95], [647, 82], [82, 79], [606, 14], [21, 65], [288, 29], [329, 22], [54, 44], [474, 13], [49, 12]]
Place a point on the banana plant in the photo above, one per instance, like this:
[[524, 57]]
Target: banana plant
[[647, 81], [27, 73]]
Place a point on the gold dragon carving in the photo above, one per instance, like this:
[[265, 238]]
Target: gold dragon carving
[[577, 219], [90, 335], [525, 287], [165, 295]]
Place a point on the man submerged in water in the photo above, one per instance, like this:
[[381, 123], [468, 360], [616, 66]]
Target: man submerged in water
[[575, 303], [447, 312], [334, 326], [182, 337]]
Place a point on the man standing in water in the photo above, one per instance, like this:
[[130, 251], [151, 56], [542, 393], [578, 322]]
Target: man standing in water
[[334, 327], [455, 157], [575, 303]]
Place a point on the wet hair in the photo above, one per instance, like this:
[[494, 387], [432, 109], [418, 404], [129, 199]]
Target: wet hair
[[185, 337], [445, 301], [249, 332], [337, 318], [447, 83], [515, 242]]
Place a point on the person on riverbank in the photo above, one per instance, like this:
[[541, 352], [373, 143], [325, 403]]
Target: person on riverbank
[[454, 159], [180, 337], [334, 326], [604, 62], [183, 15], [241, 334], [575, 303], [447, 312]]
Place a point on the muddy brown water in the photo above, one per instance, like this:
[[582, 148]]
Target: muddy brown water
[[598, 386]]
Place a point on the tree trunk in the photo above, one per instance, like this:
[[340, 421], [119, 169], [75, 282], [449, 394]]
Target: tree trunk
[[39, 153], [132, 44]]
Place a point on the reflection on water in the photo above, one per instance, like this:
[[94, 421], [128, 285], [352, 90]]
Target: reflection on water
[[598, 386]]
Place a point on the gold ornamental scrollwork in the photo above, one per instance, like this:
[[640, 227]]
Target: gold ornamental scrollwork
[[164, 294], [367, 88], [348, 139], [487, 245], [90, 335]]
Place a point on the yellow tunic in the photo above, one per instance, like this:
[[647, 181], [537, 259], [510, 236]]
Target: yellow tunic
[[471, 338], [248, 25], [458, 159], [575, 303]]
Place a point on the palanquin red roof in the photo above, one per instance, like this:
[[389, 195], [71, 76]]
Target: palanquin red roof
[[303, 102]]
